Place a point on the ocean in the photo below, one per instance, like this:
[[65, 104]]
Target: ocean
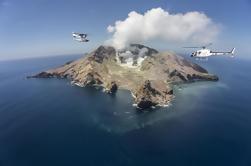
[[49, 122]]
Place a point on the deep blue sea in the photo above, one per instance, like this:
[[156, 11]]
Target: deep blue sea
[[49, 122]]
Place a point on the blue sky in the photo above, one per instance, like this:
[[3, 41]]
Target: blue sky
[[33, 28]]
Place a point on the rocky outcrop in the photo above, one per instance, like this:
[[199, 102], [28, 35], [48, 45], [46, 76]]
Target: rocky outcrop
[[150, 81], [102, 53], [42, 75], [111, 87], [152, 93]]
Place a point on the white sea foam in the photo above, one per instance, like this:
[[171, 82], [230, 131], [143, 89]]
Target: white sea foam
[[78, 84]]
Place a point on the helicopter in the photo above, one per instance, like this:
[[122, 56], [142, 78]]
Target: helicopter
[[204, 52], [80, 37]]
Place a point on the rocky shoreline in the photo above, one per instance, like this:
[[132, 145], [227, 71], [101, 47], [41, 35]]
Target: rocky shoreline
[[149, 80]]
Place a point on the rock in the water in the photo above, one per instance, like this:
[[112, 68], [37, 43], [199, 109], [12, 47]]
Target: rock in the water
[[42, 75], [161, 70], [111, 87]]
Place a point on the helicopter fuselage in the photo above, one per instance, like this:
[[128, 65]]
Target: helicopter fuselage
[[204, 53]]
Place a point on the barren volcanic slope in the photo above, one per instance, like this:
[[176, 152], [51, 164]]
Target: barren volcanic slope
[[148, 74]]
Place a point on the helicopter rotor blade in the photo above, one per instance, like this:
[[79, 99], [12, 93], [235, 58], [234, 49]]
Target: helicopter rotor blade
[[209, 44], [205, 46], [192, 47]]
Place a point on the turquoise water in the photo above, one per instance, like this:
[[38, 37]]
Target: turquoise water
[[50, 122]]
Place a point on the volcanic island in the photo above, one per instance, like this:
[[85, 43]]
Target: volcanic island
[[147, 73]]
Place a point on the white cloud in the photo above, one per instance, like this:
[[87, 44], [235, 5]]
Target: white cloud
[[110, 29], [158, 24]]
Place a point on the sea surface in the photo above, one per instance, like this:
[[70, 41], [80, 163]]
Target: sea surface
[[49, 122]]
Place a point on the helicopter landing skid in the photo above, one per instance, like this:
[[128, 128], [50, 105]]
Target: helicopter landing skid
[[202, 59]]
